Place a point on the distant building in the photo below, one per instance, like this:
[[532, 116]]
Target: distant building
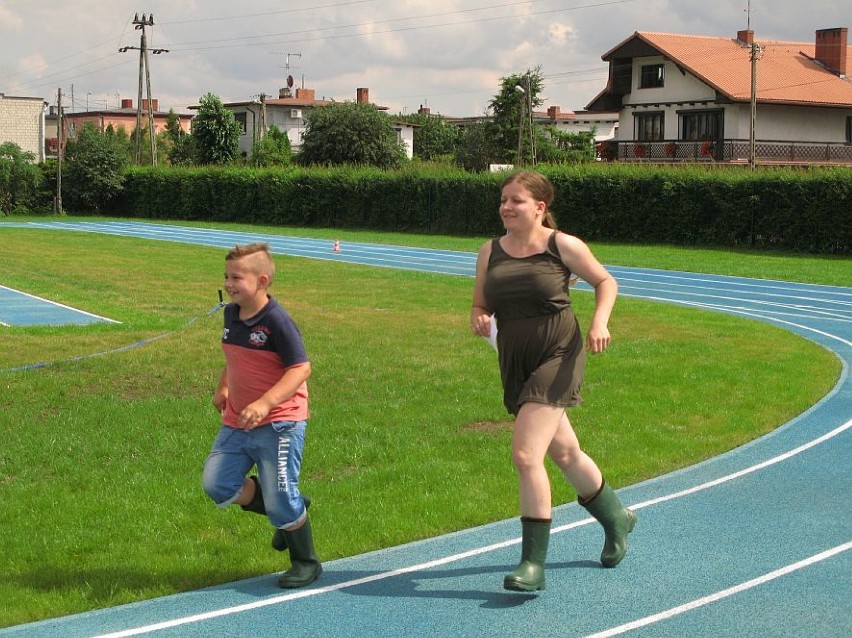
[[686, 97], [289, 114], [22, 123], [604, 124], [121, 118]]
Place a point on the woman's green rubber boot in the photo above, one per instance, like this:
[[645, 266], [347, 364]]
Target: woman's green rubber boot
[[529, 575], [617, 522]]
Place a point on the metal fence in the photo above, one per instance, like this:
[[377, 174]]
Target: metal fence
[[736, 151]]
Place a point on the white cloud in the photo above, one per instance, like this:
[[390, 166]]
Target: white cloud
[[447, 54], [10, 21]]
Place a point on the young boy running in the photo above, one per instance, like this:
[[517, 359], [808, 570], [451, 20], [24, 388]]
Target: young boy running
[[263, 399]]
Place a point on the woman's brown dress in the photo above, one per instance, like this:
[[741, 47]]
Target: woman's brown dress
[[539, 342]]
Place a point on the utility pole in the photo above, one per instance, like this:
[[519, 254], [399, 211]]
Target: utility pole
[[144, 68], [526, 121], [530, 115], [520, 158], [754, 52], [57, 202]]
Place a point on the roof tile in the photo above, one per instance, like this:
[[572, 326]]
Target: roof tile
[[786, 71]]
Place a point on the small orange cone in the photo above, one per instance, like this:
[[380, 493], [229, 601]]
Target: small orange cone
[[336, 248]]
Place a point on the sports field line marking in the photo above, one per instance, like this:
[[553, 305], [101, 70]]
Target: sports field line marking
[[168, 624], [56, 303], [746, 471], [757, 302], [732, 280], [725, 593], [747, 313]]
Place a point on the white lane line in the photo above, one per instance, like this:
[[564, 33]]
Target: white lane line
[[57, 304], [754, 314], [725, 593], [729, 280], [746, 471], [715, 294], [454, 557]]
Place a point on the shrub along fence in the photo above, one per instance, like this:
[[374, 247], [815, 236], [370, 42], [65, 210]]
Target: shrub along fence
[[806, 210]]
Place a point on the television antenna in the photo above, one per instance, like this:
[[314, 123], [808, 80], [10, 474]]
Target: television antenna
[[290, 80]]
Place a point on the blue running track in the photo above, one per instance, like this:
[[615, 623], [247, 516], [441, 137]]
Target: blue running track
[[755, 542]]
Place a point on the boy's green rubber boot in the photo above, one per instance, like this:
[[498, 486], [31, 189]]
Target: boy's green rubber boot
[[305, 566], [617, 522], [279, 539], [529, 575]]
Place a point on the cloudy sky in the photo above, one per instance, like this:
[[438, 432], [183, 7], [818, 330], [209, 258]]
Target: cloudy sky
[[448, 55]]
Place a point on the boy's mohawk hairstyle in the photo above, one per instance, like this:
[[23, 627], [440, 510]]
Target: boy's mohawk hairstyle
[[244, 250], [261, 264]]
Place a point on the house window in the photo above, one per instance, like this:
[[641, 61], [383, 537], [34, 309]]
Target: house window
[[240, 118], [653, 76], [701, 125], [649, 126]]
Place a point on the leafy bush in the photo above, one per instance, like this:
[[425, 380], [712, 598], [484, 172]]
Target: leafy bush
[[20, 180]]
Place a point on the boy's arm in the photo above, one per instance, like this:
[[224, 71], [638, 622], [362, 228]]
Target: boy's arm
[[220, 396], [286, 387]]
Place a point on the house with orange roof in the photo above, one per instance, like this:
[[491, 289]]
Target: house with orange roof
[[686, 97]]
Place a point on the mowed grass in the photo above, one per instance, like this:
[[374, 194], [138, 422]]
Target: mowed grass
[[101, 461]]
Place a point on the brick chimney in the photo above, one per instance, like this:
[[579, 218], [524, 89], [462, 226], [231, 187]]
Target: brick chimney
[[746, 36], [362, 95], [126, 103], [306, 94], [155, 104], [424, 110], [553, 112], [831, 49]]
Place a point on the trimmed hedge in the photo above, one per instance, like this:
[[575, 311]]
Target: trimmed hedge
[[805, 210]]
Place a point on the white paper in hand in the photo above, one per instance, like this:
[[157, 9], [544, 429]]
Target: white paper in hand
[[492, 338]]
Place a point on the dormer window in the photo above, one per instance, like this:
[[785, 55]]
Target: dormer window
[[653, 76]]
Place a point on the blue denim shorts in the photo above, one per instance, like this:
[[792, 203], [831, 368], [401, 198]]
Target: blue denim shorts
[[276, 450]]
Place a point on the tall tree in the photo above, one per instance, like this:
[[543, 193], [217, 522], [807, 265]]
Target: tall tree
[[433, 137], [20, 178], [476, 147], [94, 171], [350, 133], [179, 145], [215, 132], [273, 149], [519, 94]]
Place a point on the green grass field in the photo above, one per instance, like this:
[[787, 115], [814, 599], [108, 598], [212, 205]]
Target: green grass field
[[100, 467]]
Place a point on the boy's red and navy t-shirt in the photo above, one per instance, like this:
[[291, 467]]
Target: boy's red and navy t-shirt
[[258, 351]]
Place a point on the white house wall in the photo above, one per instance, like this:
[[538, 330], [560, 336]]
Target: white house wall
[[677, 86], [682, 92], [679, 92], [789, 123], [22, 123]]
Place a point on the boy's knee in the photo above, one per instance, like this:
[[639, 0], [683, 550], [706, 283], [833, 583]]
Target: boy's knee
[[220, 493]]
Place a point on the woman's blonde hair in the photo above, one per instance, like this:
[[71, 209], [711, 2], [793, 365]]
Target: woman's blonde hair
[[540, 188]]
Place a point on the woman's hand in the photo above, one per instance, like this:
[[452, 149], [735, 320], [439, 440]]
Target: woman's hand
[[597, 339], [480, 322]]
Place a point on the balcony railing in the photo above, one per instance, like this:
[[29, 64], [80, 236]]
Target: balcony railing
[[734, 151]]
